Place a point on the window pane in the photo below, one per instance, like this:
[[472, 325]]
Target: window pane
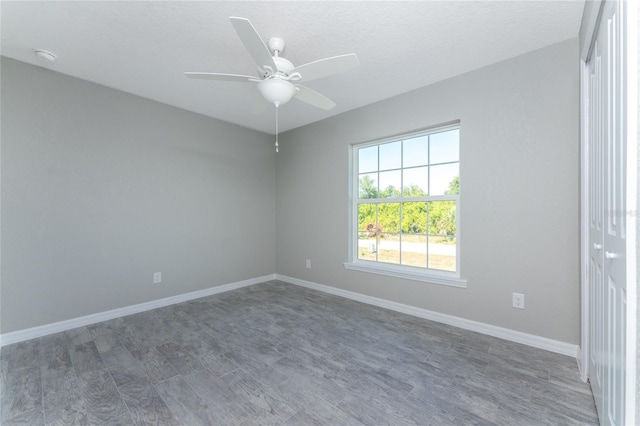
[[415, 152], [443, 179], [442, 218], [414, 250], [453, 187], [389, 248], [366, 246], [368, 159], [390, 184], [444, 147], [389, 217], [414, 217], [442, 253], [368, 186], [390, 156], [415, 182], [366, 217]]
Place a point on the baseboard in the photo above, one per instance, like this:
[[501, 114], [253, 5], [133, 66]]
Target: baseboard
[[44, 330], [491, 330]]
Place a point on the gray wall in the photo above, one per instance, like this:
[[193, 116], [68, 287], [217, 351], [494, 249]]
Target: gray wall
[[101, 188], [519, 188]]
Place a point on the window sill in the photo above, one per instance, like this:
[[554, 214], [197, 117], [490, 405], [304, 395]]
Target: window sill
[[406, 273]]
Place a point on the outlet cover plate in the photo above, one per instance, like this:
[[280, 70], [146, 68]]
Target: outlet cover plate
[[518, 301]]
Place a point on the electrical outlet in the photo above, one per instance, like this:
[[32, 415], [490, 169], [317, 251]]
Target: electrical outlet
[[308, 264], [157, 277], [518, 301]]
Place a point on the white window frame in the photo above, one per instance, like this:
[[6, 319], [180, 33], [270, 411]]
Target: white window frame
[[415, 273]]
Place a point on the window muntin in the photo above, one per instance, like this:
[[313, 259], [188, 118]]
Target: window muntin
[[406, 201]]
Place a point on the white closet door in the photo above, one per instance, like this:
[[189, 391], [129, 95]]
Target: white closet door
[[607, 145]]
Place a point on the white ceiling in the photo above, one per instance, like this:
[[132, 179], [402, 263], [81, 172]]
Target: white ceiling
[[144, 47]]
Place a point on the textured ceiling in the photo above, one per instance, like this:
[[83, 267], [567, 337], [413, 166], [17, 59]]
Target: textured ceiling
[[144, 47]]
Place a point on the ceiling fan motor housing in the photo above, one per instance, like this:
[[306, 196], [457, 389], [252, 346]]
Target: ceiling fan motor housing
[[284, 65]]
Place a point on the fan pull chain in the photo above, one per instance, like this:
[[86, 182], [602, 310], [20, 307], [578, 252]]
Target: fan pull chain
[[277, 128]]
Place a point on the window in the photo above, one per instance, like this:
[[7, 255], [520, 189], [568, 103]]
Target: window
[[406, 193]]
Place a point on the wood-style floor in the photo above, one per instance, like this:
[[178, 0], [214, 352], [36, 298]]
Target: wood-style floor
[[275, 353]]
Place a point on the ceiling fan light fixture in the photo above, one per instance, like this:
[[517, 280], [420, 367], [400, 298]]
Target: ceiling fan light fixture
[[277, 91]]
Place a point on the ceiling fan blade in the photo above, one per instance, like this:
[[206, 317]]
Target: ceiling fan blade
[[313, 98], [220, 77], [253, 43], [327, 67]]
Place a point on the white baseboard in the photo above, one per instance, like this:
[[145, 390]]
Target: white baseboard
[[44, 330], [491, 330]]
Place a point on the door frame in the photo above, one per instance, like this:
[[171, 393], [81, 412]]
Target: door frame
[[588, 31]]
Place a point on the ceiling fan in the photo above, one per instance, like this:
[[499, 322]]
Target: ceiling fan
[[277, 77]]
